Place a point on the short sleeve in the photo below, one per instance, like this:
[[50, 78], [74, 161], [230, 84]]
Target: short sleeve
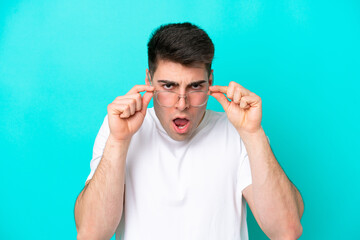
[[244, 172], [99, 146]]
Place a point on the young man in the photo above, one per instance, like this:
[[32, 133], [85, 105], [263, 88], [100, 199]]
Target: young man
[[179, 171]]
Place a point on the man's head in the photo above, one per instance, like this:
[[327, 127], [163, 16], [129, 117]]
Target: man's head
[[182, 43], [180, 57]]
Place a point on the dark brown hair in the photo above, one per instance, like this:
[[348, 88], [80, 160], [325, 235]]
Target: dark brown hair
[[184, 43]]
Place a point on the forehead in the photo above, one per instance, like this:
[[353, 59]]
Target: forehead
[[176, 72]]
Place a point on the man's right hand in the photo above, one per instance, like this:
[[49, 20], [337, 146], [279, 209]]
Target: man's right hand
[[99, 206], [126, 113]]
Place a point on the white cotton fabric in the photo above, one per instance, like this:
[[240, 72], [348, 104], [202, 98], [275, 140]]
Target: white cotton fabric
[[183, 189]]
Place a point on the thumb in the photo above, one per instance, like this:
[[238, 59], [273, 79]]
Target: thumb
[[220, 97], [145, 101]]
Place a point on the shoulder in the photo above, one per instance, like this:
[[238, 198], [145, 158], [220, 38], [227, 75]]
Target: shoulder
[[150, 117], [222, 126], [148, 123], [220, 119], [215, 117]]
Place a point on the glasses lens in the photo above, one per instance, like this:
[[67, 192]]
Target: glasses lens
[[197, 99], [167, 99]]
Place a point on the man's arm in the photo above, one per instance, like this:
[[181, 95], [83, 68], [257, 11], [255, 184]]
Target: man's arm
[[99, 206], [275, 202]]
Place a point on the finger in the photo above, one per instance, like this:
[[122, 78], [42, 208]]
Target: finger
[[249, 101], [141, 88], [220, 97], [125, 111], [237, 96], [223, 89], [128, 101], [244, 103], [145, 101], [119, 109], [231, 90], [217, 88], [136, 96], [228, 90], [138, 102]]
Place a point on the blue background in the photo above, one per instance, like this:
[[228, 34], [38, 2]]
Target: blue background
[[63, 62]]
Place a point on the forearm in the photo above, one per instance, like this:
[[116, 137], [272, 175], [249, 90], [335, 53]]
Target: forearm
[[99, 206], [277, 202]]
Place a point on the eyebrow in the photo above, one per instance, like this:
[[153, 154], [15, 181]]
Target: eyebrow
[[177, 84]]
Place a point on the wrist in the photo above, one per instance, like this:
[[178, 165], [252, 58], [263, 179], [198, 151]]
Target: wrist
[[252, 136], [116, 141]]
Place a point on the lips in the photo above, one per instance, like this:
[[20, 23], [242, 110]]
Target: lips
[[181, 124]]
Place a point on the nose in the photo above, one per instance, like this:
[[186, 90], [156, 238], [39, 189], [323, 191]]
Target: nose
[[182, 103]]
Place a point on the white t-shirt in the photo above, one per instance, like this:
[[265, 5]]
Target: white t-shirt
[[183, 189]]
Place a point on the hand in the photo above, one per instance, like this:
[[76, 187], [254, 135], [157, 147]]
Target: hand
[[126, 113], [244, 110]]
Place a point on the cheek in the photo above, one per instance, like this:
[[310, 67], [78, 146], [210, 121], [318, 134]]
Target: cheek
[[198, 113], [162, 113]]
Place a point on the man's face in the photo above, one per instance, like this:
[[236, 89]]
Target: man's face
[[182, 119]]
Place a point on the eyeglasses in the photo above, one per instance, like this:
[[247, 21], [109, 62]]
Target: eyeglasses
[[170, 98]]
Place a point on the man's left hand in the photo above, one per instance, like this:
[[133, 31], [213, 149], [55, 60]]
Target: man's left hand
[[243, 110]]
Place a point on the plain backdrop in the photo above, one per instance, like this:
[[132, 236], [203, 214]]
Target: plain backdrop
[[63, 61]]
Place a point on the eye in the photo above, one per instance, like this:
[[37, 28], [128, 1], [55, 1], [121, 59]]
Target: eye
[[196, 86], [168, 86]]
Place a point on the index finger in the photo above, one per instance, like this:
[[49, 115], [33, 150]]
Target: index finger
[[217, 88], [141, 88]]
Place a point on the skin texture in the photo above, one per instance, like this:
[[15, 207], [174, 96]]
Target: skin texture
[[183, 76], [99, 206], [275, 202]]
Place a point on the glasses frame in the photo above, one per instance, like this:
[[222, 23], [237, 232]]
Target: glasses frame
[[180, 96]]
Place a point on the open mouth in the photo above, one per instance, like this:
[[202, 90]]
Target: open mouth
[[181, 124]]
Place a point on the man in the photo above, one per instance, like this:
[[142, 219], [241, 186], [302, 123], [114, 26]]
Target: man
[[179, 171]]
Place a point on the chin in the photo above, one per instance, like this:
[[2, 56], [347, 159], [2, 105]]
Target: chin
[[178, 137]]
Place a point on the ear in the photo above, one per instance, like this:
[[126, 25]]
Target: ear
[[211, 77], [148, 78]]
